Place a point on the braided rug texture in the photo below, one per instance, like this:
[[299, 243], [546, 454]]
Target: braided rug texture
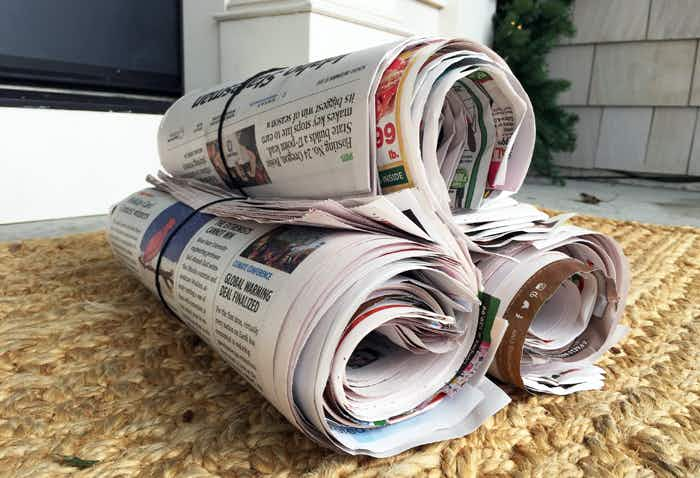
[[90, 367]]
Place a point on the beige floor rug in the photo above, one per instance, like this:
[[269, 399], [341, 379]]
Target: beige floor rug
[[96, 381]]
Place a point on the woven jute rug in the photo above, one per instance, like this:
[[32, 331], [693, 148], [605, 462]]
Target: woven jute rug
[[96, 381]]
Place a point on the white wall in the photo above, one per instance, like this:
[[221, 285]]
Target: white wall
[[347, 37], [462, 18], [411, 16], [246, 51], [58, 163], [200, 33], [472, 19], [259, 34]]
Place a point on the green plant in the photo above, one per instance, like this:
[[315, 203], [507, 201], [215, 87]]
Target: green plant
[[524, 32]]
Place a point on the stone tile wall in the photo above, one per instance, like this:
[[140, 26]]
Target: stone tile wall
[[635, 72]]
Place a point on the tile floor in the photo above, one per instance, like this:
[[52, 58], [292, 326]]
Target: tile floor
[[618, 201]]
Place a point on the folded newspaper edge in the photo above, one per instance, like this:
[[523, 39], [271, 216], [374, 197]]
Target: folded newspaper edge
[[341, 233]]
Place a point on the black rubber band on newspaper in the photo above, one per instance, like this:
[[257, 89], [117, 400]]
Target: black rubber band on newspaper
[[167, 242], [236, 91]]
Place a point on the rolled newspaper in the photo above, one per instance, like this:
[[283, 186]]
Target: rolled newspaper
[[367, 342], [562, 291], [423, 113], [356, 179], [443, 117], [561, 288]]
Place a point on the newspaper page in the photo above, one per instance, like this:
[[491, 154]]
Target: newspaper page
[[368, 343], [298, 132]]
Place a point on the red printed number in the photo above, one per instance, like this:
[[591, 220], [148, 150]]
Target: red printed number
[[387, 135]]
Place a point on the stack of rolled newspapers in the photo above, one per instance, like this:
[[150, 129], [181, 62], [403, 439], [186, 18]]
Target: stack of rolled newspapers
[[342, 233]]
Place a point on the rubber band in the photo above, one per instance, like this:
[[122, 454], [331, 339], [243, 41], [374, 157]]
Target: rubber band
[[234, 93], [167, 242]]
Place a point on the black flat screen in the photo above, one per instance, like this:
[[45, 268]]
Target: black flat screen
[[101, 54]]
